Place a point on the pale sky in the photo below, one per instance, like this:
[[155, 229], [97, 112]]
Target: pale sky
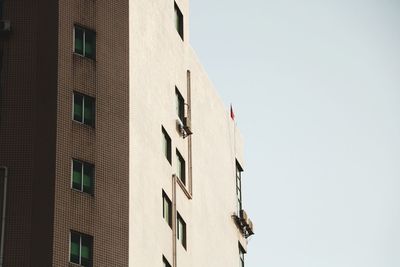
[[316, 91]]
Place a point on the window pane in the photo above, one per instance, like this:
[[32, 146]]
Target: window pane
[[166, 263], [75, 248], [241, 256], [165, 149], [181, 233], [89, 111], [77, 175], [87, 178], [86, 254], [176, 18], [178, 233], [90, 44], [179, 20], [178, 167], [183, 173], [181, 167], [78, 107], [180, 105], [166, 145], [167, 210], [78, 40]]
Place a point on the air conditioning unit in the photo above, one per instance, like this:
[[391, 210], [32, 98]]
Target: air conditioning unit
[[186, 126], [5, 26], [243, 216], [250, 227]]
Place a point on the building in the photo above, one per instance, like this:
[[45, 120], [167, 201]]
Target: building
[[117, 149]]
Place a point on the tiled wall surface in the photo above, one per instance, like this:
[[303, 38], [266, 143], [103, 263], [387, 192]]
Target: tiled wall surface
[[103, 215], [39, 139], [27, 129]]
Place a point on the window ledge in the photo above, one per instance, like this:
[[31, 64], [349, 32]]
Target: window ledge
[[84, 124], [82, 56], [74, 264], [82, 193]]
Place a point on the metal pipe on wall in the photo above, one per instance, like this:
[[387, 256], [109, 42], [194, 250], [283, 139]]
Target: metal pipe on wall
[[3, 216], [189, 116], [174, 226]]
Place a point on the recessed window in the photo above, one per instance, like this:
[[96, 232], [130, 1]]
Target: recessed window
[[181, 231], [167, 209], [181, 167], [82, 176], [166, 145], [83, 109], [81, 249], [84, 42], [180, 105], [165, 262], [178, 20], [241, 256], [239, 186]]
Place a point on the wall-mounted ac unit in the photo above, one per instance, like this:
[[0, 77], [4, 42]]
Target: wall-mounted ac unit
[[250, 227], [5, 26], [243, 216], [186, 126]]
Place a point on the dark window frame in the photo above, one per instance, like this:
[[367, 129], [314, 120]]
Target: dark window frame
[[88, 36], [239, 171], [84, 166], [180, 105], [179, 20], [165, 261], [86, 99], [241, 255], [82, 237], [181, 223], [167, 142], [167, 201], [181, 167]]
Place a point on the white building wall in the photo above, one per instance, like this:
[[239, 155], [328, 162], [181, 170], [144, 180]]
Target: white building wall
[[159, 61]]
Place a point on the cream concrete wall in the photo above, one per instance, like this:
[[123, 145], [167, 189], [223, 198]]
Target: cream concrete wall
[[159, 60]]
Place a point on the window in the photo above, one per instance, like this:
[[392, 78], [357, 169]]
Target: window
[[84, 42], [181, 231], [180, 105], [239, 186], [83, 109], [165, 262], [167, 209], [180, 163], [178, 20], [166, 145], [82, 176], [81, 249], [241, 256]]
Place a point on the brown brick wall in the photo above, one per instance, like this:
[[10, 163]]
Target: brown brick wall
[[27, 129], [105, 214], [38, 138]]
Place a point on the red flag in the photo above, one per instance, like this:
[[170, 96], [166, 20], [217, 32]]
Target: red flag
[[232, 114]]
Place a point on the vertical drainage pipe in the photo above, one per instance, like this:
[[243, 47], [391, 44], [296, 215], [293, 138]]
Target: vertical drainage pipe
[[189, 115], [3, 216], [174, 226]]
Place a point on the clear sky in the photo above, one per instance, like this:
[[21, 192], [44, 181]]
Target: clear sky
[[316, 92]]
